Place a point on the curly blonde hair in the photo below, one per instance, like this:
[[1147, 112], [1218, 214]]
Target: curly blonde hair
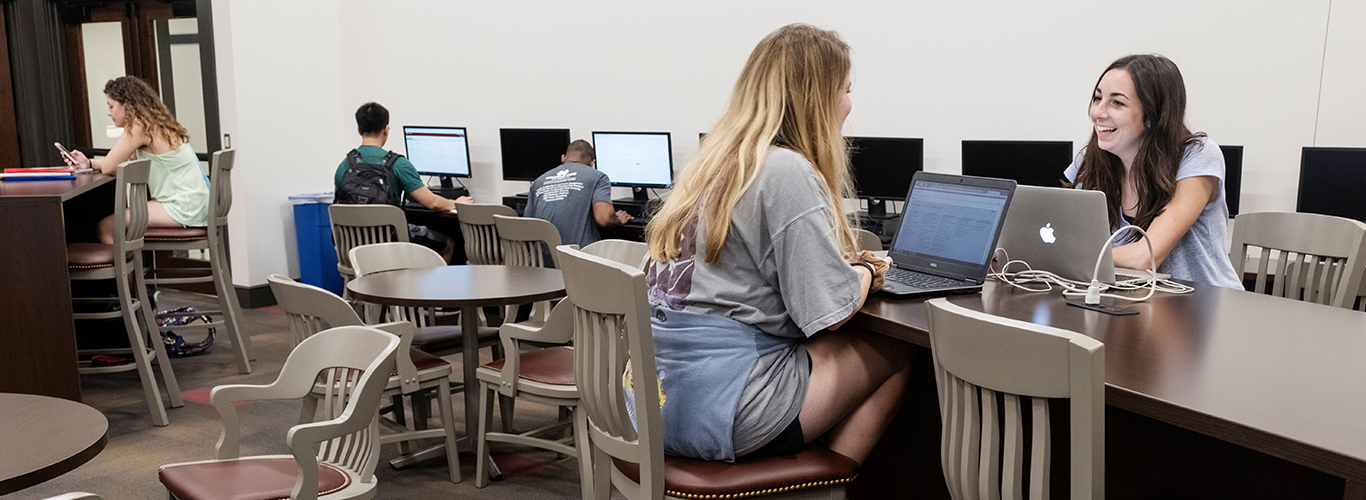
[[142, 107]]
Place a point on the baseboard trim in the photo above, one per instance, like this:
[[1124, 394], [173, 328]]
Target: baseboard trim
[[252, 297]]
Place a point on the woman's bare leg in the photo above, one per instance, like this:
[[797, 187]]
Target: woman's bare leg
[[156, 217], [857, 380]]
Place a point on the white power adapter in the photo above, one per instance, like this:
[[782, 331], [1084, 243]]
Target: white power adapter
[[1093, 292]]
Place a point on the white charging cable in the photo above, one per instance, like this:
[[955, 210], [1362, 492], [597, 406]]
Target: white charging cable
[[1093, 291]]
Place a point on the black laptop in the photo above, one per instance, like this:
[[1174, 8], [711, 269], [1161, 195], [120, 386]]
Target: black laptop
[[949, 227]]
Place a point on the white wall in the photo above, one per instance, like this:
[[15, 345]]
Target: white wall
[[944, 71]]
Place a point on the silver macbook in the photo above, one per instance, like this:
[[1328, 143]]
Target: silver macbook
[[1061, 230], [948, 231]]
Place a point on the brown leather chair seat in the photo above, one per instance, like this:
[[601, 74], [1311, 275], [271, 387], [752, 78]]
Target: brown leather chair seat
[[421, 361], [448, 337], [176, 234], [553, 365], [89, 255], [248, 479], [812, 467]]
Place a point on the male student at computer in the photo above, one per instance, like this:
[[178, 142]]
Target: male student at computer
[[575, 197], [372, 122]]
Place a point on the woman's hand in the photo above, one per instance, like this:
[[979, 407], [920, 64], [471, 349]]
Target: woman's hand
[[77, 159], [880, 267]]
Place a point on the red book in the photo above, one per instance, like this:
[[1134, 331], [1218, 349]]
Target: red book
[[44, 170]]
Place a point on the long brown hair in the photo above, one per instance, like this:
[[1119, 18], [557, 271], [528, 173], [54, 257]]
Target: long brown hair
[[788, 95], [142, 107], [1162, 96]]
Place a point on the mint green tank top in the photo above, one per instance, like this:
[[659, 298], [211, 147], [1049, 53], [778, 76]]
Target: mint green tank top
[[179, 183]]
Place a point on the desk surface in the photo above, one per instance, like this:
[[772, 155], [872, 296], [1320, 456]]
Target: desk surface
[[45, 437], [60, 189], [1279, 376], [459, 286]]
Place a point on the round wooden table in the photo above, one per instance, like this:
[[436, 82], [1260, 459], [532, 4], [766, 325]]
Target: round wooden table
[[44, 437], [466, 287]]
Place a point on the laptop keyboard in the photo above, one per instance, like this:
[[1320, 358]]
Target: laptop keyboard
[[915, 279]]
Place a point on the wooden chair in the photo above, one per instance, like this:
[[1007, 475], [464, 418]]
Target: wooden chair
[[213, 238], [868, 241], [415, 373], [1320, 256], [429, 337], [611, 319], [481, 235], [122, 263], [330, 460], [632, 253], [356, 225], [527, 241], [544, 376], [985, 365]]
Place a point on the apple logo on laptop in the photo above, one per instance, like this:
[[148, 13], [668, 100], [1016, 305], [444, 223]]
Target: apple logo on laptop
[[1046, 233]]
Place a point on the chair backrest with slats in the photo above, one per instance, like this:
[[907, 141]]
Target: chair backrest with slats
[[611, 317], [632, 253], [350, 441], [380, 257], [1319, 258], [987, 365], [527, 241], [130, 193], [220, 186], [480, 233], [356, 225], [361, 354], [310, 309]]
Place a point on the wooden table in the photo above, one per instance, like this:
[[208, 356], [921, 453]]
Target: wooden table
[[37, 334], [1281, 377], [466, 287], [43, 437]]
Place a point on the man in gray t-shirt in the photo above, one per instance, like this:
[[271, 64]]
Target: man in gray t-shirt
[[575, 197]]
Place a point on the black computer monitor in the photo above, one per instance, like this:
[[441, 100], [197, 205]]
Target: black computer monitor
[[530, 152], [1031, 163], [638, 160], [883, 167], [1233, 176], [439, 151], [1332, 181]]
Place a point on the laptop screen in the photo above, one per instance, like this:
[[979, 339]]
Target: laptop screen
[[951, 226]]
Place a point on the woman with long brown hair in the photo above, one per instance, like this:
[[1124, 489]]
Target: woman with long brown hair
[[1156, 174], [753, 261], [178, 187]]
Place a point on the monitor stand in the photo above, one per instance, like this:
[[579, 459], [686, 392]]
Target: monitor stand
[[448, 189], [639, 203], [877, 209]]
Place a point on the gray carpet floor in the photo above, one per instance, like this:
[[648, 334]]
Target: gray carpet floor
[[127, 468]]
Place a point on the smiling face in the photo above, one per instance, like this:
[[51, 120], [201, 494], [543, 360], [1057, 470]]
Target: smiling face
[[115, 111], [1117, 115]]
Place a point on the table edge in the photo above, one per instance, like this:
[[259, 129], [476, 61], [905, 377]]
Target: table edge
[[44, 474]]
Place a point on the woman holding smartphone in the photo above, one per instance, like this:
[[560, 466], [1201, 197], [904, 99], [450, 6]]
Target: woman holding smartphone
[[754, 268], [1156, 174], [178, 187]]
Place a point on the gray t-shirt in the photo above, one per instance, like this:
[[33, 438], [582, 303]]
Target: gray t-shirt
[[781, 271], [1201, 255], [565, 196]]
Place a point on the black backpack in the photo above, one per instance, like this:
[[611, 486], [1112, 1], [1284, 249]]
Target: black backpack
[[367, 183]]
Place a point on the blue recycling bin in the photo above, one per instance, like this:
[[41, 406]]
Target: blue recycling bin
[[313, 230]]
